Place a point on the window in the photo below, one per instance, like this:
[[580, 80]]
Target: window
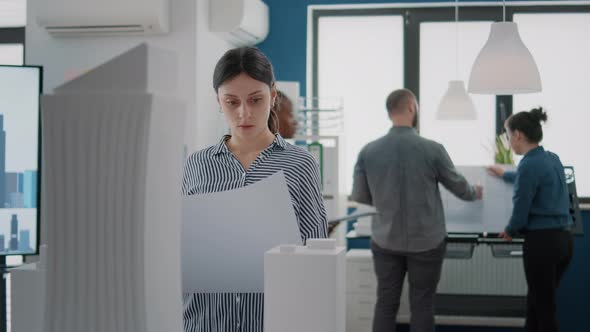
[[350, 51], [13, 18], [13, 13], [12, 45], [11, 54], [467, 142], [560, 44], [352, 57]]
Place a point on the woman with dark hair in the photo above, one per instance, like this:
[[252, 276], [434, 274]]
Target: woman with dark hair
[[541, 214], [245, 85]]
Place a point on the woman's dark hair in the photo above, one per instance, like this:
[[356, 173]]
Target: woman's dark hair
[[255, 64], [528, 123]]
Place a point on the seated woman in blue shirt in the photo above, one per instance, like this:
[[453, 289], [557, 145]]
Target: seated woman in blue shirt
[[541, 214], [244, 82]]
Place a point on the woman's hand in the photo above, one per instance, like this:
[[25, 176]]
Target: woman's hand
[[496, 170], [505, 236]]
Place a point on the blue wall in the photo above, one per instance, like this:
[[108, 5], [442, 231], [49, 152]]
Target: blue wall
[[287, 40]]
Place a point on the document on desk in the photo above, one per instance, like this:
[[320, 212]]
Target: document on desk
[[225, 235], [491, 214]]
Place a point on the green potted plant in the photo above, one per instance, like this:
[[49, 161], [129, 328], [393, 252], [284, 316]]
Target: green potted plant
[[503, 150]]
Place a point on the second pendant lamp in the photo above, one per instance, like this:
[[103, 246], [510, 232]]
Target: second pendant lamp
[[456, 104]]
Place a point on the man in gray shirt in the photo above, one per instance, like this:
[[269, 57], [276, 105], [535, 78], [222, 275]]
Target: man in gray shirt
[[399, 175]]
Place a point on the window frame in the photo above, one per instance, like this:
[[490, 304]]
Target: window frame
[[12, 35]]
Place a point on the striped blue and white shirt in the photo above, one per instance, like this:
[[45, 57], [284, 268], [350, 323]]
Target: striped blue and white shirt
[[216, 169]]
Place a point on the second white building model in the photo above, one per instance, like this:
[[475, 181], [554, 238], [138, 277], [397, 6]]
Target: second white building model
[[304, 287]]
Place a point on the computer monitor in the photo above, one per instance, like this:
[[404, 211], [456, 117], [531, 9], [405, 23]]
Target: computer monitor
[[20, 159]]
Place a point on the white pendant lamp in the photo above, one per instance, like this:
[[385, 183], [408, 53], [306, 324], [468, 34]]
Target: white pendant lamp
[[505, 65], [456, 103]]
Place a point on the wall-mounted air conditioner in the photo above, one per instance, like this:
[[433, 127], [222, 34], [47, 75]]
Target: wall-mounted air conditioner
[[104, 17], [241, 22]]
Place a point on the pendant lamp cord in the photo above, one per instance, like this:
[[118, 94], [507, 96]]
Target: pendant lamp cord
[[457, 39]]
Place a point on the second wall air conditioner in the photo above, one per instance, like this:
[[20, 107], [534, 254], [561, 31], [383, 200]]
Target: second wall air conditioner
[[241, 22], [104, 17]]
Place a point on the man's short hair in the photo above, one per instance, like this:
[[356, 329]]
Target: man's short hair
[[398, 98]]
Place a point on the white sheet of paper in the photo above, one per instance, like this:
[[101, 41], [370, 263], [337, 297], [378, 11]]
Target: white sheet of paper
[[488, 215], [225, 235]]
